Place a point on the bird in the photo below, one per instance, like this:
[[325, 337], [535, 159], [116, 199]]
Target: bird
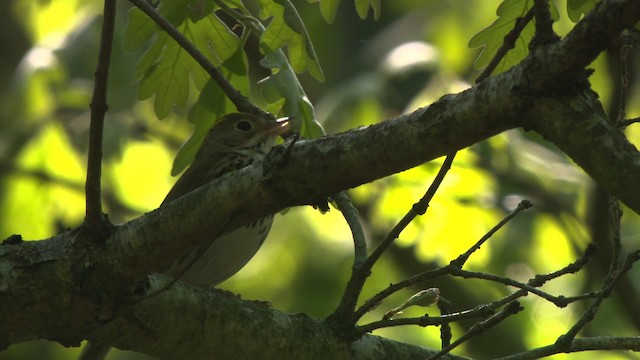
[[237, 140]]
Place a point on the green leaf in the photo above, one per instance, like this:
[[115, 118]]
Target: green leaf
[[209, 108], [283, 84], [362, 8], [139, 30], [215, 40], [167, 78], [492, 37], [328, 9], [286, 28], [576, 8], [165, 68]]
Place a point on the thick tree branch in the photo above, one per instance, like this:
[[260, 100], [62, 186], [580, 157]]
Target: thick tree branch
[[579, 127], [583, 44], [236, 329]]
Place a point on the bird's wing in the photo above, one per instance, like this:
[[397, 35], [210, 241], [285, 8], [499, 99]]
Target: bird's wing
[[193, 178], [203, 170]]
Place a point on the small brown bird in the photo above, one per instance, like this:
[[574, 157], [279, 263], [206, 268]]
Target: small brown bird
[[236, 141]]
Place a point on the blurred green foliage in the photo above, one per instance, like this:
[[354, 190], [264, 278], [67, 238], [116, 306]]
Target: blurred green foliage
[[413, 54]]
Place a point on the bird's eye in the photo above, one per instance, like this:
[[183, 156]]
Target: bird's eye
[[243, 125]]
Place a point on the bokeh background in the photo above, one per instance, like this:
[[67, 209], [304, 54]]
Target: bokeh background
[[415, 53]]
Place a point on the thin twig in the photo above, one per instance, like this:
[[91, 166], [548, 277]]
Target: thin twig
[[508, 44], [537, 281], [478, 328], [359, 275], [372, 302], [559, 301], [589, 314], [477, 312], [616, 271], [541, 279], [624, 123], [572, 268], [485, 310], [462, 259], [419, 208], [602, 343], [500, 280], [340, 319], [446, 334], [241, 102], [350, 214], [93, 213]]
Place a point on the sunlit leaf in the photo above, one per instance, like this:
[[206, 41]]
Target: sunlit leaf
[[165, 70], [139, 30], [492, 37]]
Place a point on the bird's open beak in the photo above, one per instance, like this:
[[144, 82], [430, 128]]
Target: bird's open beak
[[280, 127]]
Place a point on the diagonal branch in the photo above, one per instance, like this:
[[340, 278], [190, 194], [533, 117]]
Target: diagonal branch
[[241, 102], [462, 259], [508, 44]]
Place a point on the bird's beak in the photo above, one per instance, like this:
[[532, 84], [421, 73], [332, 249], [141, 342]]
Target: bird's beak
[[280, 127]]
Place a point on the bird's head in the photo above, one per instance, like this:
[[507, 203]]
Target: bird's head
[[243, 133]]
